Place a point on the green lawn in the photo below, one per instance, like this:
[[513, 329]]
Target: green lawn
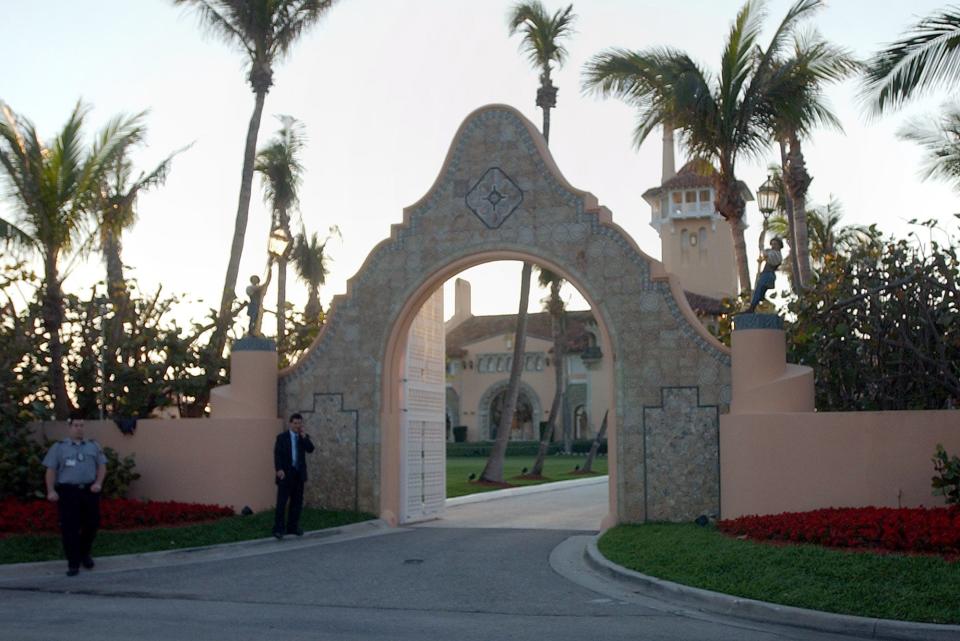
[[23, 548], [889, 586], [555, 468]]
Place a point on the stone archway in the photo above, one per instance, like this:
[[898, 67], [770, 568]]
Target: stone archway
[[500, 196], [483, 407]]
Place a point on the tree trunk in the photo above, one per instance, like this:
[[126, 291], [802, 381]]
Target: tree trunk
[[312, 309], [595, 447], [556, 311], [52, 321], [546, 125], [740, 251], [795, 279], [219, 338], [731, 206], [798, 181], [493, 471]]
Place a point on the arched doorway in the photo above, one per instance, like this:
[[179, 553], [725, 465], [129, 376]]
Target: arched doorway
[[500, 196], [527, 416]]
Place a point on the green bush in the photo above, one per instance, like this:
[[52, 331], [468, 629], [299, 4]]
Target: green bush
[[947, 481], [120, 474], [21, 464], [519, 448]]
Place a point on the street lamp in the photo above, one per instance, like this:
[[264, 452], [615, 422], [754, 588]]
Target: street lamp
[[278, 242], [768, 197]]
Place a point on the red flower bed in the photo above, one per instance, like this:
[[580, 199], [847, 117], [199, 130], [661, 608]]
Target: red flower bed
[[19, 517], [935, 530]]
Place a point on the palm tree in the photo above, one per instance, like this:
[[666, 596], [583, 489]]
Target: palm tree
[[493, 470], [265, 30], [941, 141], [542, 35], [282, 174], [554, 305], [310, 260], [798, 106], [926, 58], [55, 190], [117, 213], [828, 237], [720, 118]]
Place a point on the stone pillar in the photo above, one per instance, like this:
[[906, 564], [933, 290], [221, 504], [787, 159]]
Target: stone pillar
[[252, 392], [762, 380]]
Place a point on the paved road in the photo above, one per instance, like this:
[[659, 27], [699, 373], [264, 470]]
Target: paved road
[[416, 583]]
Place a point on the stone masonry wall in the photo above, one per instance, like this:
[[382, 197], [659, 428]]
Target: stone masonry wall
[[500, 191]]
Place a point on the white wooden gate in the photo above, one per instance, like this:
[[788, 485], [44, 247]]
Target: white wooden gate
[[423, 422]]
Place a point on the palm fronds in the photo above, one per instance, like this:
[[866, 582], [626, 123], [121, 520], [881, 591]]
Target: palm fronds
[[925, 59]]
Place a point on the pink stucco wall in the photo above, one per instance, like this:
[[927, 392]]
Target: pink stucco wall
[[799, 461], [202, 460]]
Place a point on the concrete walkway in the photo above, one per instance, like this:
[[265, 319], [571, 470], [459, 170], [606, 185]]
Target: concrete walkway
[[568, 505]]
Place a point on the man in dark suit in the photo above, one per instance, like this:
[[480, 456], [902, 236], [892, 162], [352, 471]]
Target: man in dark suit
[[289, 460]]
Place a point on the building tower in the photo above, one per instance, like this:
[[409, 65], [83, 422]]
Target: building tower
[[696, 244]]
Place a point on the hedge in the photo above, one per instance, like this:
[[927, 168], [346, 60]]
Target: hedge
[[520, 448]]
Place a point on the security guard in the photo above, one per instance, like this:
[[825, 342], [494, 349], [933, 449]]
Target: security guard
[[75, 471]]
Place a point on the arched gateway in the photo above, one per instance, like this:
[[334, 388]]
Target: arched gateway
[[500, 196]]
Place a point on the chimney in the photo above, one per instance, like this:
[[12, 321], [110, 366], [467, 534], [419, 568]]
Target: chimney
[[669, 166], [461, 303]]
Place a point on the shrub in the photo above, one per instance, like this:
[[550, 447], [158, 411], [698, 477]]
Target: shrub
[[947, 481], [120, 474], [22, 517], [934, 530], [21, 468], [520, 448]]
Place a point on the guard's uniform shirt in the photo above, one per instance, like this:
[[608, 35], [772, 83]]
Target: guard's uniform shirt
[[75, 463]]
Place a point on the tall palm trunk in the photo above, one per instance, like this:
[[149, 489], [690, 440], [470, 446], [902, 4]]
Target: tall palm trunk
[[493, 470], [788, 209], [732, 207], [546, 100], [219, 339], [52, 321], [116, 283], [798, 182], [111, 248], [595, 446], [556, 324], [312, 309]]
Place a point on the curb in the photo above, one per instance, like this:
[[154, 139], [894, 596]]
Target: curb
[[744, 608], [179, 556], [527, 489]]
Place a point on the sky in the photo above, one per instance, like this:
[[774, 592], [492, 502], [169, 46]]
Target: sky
[[381, 87]]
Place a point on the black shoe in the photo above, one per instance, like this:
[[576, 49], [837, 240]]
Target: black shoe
[[88, 562], [72, 571], [298, 531], [277, 535]]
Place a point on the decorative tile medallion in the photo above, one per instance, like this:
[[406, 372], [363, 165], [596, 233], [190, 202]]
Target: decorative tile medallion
[[494, 197]]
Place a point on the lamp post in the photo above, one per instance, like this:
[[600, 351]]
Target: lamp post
[[768, 198], [278, 246], [278, 243]]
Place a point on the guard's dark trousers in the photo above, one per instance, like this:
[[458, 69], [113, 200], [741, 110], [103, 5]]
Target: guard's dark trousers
[[79, 519], [289, 489]]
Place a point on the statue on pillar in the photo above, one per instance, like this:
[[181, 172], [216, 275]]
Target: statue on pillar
[[767, 278], [256, 291]]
